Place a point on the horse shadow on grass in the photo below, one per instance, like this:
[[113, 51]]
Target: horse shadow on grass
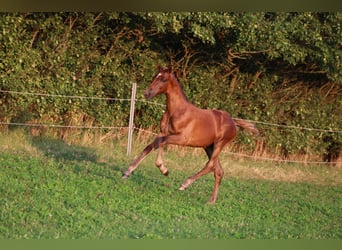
[[59, 150], [62, 152]]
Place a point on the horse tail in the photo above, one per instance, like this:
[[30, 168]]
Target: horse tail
[[246, 125]]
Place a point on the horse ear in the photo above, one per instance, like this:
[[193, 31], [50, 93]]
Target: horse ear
[[160, 69], [178, 73], [169, 69]]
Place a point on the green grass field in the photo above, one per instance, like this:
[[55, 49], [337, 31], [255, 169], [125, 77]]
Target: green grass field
[[52, 190]]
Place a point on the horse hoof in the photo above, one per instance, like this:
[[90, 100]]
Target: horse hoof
[[166, 173], [182, 188], [124, 176], [211, 202]]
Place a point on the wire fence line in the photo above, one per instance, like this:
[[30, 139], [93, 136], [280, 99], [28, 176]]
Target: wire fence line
[[162, 105], [64, 96], [253, 157], [153, 133], [261, 158], [58, 126], [75, 126], [132, 127], [78, 97]]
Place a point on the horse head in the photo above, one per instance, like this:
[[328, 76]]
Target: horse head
[[160, 82]]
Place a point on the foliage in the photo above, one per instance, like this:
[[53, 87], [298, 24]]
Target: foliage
[[283, 68]]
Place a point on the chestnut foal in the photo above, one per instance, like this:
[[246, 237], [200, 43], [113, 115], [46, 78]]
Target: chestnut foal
[[186, 125]]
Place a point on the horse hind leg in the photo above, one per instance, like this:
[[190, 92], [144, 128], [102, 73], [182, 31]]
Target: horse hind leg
[[207, 168], [218, 175], [213, 164]]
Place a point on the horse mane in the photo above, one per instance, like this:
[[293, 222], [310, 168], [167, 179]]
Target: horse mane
[[169, 70], [175, 76]]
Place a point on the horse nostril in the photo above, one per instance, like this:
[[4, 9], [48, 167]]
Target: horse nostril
[[147, 94]]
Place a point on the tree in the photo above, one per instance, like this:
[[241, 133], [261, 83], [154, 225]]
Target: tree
[[283, 68]]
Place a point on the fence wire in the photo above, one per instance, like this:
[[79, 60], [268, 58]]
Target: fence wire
[[162, 105], [153, 133]]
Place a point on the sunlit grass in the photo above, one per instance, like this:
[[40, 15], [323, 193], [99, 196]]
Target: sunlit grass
[[51, 189]]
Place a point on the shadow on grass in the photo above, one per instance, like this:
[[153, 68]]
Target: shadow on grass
[[59, 150]]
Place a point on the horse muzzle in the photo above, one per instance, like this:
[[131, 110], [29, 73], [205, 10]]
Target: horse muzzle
[[149, 94]]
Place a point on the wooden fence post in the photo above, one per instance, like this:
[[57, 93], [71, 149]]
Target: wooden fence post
[[131, 119]]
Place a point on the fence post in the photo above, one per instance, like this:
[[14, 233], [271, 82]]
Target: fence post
[[131, 119]]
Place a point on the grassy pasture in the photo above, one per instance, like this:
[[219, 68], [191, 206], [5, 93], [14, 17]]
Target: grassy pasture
[[50, 189]]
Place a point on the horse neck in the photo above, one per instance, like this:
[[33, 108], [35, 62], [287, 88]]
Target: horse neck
[[175, 97]]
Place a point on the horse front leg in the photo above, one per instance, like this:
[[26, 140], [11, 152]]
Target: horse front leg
[[164, 127], [160, 164], [141, 157], [164, 122], [159, 142]]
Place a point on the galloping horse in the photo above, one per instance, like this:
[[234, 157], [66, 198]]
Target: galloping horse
[[186, 125]]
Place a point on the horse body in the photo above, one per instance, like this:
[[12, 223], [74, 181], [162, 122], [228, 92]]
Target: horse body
[[208, 127], [199, 127], [186, 125]]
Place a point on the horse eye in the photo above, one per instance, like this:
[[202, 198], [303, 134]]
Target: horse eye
[[162, 78]]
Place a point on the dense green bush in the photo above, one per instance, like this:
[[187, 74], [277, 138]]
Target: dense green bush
[[282, 68]]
